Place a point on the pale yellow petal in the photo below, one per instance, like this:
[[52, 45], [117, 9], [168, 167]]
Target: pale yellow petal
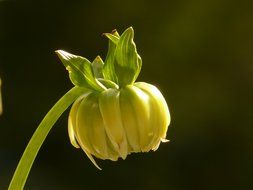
[[160, 108], [110, 110], [72, 122]]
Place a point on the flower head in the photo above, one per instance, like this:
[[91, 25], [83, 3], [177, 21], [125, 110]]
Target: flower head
[[117, 116]]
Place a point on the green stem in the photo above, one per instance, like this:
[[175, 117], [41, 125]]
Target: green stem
[[29, 155]]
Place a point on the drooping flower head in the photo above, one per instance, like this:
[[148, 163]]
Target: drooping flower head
[[116, 116]]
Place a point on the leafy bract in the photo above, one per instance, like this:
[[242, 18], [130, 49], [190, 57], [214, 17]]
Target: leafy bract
[[114, 37], [97, 66], [80, 71], [108, 69], [123, 64]]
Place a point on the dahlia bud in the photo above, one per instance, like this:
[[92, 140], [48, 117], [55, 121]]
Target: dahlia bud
[[117, 116], [117, 122]]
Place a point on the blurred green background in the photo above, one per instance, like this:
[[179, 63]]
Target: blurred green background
[[199, 53]]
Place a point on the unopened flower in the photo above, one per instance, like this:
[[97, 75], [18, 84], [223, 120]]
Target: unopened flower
[[116, 116]]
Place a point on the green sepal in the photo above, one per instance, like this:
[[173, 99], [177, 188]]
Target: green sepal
[[139, 66], [114, 38], [108, 69], [108, 83], [127, 61], [80, 71], [97, 66]]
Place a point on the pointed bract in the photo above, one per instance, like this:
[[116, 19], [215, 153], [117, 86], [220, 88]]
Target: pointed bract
[[80, 70]]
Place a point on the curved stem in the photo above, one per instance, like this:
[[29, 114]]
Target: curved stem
[[29, 155]]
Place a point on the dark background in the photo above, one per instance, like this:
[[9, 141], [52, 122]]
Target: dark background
[[199, 53]]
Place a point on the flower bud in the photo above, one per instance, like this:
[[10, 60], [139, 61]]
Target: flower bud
[[116, 122]]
